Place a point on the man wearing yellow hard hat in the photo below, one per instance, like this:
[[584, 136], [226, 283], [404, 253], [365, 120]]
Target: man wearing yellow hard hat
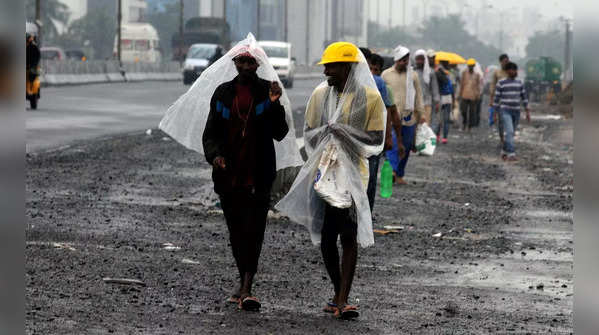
[[469, 94], [347, 111]]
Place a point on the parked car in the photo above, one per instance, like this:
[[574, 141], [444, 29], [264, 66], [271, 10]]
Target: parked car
[[279, 55], [199, 57], [53, 53], [76, 54]]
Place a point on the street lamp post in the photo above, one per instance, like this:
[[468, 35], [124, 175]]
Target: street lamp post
[[38, 21], [119, 19], [181, 42]]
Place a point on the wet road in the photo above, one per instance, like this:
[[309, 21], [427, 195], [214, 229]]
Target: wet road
[[485, 246], [72, 113]]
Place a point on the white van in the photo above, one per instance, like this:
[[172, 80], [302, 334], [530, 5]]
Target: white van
[[139, 43], [279, 55]]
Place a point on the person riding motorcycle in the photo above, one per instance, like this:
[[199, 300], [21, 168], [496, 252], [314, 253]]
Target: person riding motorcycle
[[33, 56]]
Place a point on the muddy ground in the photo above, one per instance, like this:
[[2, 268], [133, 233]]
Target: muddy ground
[[109, 208]]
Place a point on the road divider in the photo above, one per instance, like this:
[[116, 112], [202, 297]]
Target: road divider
[[57, 73]]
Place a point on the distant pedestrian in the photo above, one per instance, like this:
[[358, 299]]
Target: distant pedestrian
[[429, 84], [375, 62], [446, 92], [510, 95], [498, 75], [407, 94], [469, 94]]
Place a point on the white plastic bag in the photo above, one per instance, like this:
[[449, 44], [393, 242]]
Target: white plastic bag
[[330, 183], [426, 140]]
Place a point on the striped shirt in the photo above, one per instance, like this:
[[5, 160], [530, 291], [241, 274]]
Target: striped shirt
[[510, 94]]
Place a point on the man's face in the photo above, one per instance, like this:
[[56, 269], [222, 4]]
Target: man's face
[[402, 64], [336, 73], [471, 68], [431, 61], [504, 62], [375, 69], [420, 61], [246, 66], [513, 73]]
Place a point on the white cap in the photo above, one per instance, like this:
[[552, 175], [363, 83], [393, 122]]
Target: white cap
[[430, 53], [400, 52]]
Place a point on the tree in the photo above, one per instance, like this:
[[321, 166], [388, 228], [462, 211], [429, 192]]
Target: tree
[[52, 12], [98, 27], [448, 34], [165, 18], [549, 43], [379, 37]]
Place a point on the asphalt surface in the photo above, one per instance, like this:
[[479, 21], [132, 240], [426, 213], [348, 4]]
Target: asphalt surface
[[141, 207], [71, 113]]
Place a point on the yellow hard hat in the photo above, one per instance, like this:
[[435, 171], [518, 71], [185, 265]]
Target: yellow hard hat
[[340, 52], [471, 61]]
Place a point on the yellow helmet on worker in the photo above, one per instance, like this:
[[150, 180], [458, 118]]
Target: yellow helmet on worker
[[340, 52], [471, 62]]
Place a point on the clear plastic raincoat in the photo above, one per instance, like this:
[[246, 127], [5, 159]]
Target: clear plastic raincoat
[[353, 122], [185, 120]]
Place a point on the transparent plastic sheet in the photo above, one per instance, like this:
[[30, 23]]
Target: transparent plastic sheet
[[342, 124], [185, 120]]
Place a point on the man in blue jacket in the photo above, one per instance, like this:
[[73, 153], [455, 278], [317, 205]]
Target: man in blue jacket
[[245, 116]]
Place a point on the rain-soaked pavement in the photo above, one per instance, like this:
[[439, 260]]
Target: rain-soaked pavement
[[140, 207]]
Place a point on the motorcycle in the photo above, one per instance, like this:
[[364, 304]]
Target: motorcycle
[[33, 87]]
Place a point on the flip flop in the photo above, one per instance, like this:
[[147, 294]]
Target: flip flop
[[331, 307], [348, 312], [250, 304]]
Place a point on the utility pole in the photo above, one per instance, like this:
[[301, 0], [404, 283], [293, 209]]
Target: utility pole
[[286, 15], [119, 19], [334, 20], [258, 20], [181, 41], [307, 32], [38, 21], [403, 20], [390, 12], [567, 72]]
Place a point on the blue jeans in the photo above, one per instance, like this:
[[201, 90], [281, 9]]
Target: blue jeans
[[510, 118], [407, 136], [443, 119], [373, 169]]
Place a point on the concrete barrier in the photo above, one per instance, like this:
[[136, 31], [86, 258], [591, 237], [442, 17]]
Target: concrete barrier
[[56, 73]]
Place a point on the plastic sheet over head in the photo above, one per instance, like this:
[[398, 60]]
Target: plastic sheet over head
[[354, 122], [185, 120]]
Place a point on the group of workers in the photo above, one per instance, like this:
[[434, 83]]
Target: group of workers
[[356, 116]]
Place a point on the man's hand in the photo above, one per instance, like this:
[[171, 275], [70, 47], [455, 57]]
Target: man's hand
[[527, 115], [219, 163], [388, 143], [401, 150], [275, 91]]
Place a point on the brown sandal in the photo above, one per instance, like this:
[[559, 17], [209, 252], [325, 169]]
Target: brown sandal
[[250, 304], [331, 307], [348, 312], [233, 299]]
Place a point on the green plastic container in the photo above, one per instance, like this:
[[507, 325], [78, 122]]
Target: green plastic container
[[386, 180]]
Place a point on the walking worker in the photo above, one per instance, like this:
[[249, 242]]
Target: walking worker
[[375, 62], [469, 94], [429, 84], [509, 96], [407, 94], [345, 116], [447, 96], [498, 75], [238, 116]]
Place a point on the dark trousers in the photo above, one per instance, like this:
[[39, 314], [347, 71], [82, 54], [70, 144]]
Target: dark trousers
[[373, 167], [245, 213], [468, 108], [479, 104]]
